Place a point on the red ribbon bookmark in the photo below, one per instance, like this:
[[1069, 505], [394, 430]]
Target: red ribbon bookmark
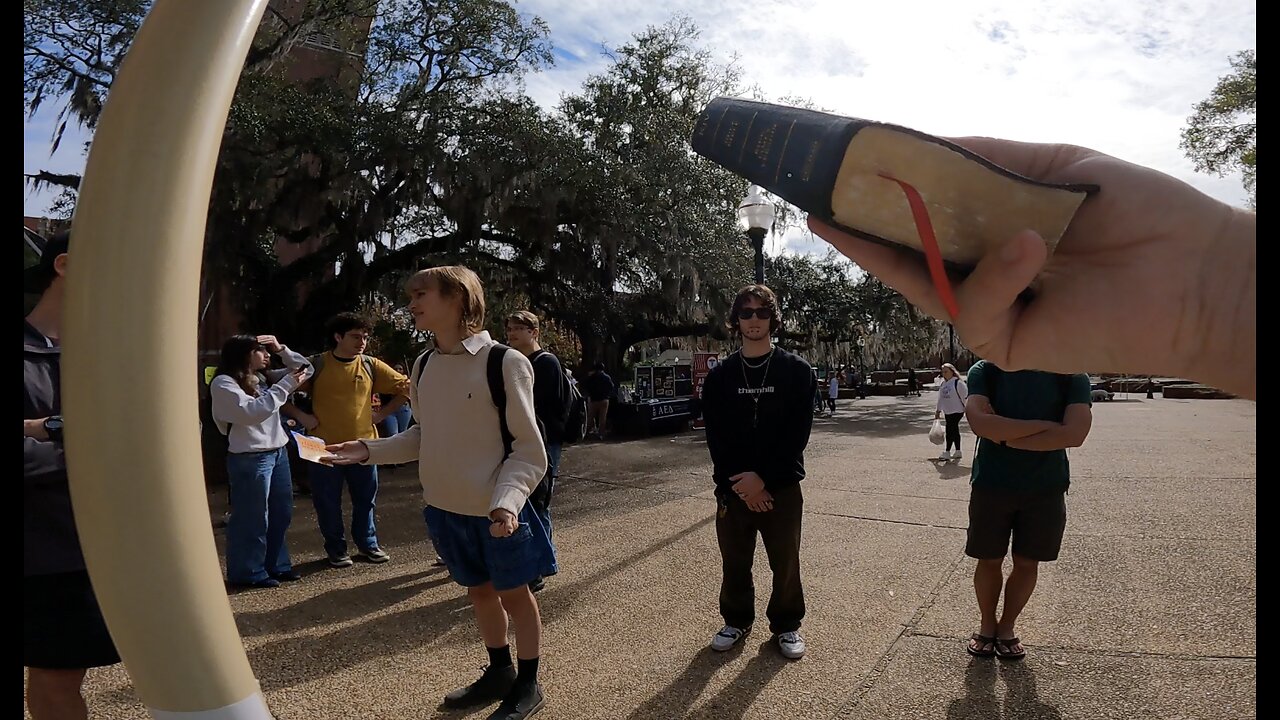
[[932, 254]]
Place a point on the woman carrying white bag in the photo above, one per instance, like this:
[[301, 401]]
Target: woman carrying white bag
[[951, 396]]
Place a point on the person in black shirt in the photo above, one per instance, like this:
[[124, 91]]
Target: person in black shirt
[[550, 406], [758, 409], [600, 388]]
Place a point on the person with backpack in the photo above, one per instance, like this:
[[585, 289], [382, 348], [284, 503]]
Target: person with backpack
[[551, 404], [951, 396], [1025, 421], [341, 387], [246, 399], [480, 455]]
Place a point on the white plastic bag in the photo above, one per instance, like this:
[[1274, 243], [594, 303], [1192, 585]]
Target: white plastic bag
[[937, 433]]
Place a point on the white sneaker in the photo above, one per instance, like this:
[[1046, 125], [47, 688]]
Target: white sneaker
[[728, 637], [945, 456], [955, 454], [792, 645]]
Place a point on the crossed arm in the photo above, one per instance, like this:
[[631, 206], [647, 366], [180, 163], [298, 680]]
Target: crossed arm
[[1037, 435]]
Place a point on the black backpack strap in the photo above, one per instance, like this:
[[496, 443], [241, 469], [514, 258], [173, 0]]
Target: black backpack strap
[[498, 392], [419, 365]]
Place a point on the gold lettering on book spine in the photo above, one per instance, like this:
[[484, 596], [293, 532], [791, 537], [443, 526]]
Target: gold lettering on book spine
[[746, 137], [764, 144], [730, 133], [810, 159], [782, 155]]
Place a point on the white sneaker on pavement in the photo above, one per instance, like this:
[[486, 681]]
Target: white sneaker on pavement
[[728, 637], [792, 645]]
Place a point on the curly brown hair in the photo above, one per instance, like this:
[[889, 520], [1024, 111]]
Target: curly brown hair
[[767, 299]]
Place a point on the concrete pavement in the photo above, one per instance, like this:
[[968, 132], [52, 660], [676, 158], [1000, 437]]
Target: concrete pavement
[[1150, 613]]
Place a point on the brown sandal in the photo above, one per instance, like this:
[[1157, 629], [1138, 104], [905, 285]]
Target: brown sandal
[[1004, 649], [983, 642]]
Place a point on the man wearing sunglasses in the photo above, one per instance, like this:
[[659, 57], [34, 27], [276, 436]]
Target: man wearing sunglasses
[[758, 408]]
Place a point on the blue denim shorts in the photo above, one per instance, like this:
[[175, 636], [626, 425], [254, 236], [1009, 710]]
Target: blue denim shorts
[[474, 557]]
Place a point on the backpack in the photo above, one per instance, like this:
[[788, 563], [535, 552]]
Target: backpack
[[317, 362], [497, 392], [573, 410]]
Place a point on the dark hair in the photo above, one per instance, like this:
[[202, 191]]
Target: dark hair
[[767, 299], [598, 366], [37, 278], [524, 318], [343, 323], [234, 362]]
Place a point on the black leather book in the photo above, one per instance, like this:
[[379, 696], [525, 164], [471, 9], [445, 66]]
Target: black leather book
[[834, 168]]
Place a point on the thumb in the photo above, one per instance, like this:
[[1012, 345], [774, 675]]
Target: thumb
[[988, 296]]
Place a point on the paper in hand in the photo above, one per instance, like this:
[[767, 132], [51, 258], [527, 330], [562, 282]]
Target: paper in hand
[[311, 449]]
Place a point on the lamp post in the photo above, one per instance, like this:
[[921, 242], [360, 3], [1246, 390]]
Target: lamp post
[[755, 214]]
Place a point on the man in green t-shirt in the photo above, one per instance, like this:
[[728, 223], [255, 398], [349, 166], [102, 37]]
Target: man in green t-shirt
[[1025, 421]]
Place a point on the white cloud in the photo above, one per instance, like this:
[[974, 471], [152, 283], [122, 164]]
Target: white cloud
[[1118, 77]]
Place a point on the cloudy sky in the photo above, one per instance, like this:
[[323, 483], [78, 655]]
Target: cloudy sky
[[1120, 77]]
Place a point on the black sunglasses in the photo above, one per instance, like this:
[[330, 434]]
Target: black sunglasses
[[762, 313]]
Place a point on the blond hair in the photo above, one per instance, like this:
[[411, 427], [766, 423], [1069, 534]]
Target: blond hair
[[455, 281]]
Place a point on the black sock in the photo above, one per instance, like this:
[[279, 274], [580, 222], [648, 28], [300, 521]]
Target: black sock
[[527, 671], [499, 657]]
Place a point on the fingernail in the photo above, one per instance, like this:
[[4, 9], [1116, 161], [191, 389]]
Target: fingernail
[[1011, 251]]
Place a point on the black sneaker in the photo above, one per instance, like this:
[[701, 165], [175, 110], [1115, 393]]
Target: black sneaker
[[291, 576], [340, 561], [374, 555], [522, 702], [537, 584], [494, 684], [262, 584]]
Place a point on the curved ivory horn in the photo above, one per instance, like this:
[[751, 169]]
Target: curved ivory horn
[[132, 441]]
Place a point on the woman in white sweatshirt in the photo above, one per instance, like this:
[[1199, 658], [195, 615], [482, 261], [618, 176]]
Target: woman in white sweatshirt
[[951, 396], [246, 408]]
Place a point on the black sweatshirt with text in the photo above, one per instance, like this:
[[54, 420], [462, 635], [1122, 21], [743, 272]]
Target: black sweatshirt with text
[[758, 419]]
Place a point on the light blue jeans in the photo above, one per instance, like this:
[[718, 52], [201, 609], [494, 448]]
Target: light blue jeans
[[261, 510]]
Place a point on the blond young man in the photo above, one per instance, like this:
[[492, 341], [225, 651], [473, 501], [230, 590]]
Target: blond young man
[[477, 467]]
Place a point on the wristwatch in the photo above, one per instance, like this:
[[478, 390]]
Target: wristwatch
[[53, 427]]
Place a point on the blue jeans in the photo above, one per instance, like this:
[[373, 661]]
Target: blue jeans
[[261, 510], [540, 498], [326, 493], [396, 423]]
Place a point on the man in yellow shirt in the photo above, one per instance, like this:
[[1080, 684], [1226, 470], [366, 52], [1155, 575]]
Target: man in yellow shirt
[[345, 380]]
